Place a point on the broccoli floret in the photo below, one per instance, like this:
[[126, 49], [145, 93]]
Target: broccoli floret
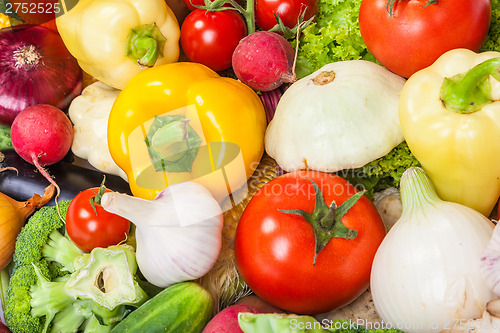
[[35, 234], [17, 308], [55, 287]]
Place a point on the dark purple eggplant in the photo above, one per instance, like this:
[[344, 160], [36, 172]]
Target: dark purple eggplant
[[71, 178]]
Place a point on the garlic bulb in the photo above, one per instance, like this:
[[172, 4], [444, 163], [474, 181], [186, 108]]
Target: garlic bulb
[[488, 323], [178, 234], [425, 275], [490, 262]]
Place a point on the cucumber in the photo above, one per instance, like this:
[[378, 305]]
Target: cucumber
[[184, 307]]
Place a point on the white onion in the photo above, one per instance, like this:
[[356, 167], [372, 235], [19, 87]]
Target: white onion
[[425, 275]]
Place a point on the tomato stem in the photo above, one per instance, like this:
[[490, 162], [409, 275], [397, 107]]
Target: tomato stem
[[469, 92], [97, 198], [327, 221], [294, 32], [247, 13], [389, 5]]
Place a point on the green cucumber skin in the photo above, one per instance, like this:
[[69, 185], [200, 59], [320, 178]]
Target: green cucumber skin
[[184, 307]]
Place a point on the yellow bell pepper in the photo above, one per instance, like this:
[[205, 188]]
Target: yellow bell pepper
[[115, 40], [450, 116], [7, 21], [183, 122]]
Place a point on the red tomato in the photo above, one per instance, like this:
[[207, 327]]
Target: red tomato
[[34, 12], [4, 328], [50, 25], [275, 250], [190, 4], [87, 229], [416, 35], [210, 37], [289, 11]]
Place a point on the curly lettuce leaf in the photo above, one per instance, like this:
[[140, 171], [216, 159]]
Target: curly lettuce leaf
[[334, 36], [492, 42], [5, 141], [383, 172]]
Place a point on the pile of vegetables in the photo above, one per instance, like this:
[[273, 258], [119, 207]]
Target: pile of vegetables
[[249, 166], [55, 286]]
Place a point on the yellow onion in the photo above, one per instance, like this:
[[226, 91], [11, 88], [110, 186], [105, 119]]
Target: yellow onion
[[13, 215]]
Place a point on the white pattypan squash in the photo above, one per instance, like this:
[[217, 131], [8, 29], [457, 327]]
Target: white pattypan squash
[[340, 117]]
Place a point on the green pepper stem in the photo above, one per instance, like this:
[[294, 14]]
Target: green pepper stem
[[171, 140], [469, 92], [326, 221], [145, 44]]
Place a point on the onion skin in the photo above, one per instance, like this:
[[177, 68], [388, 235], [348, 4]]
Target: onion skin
[[13, 215], [35, 68]]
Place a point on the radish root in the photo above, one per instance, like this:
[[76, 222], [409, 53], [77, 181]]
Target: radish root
[[43, 172]]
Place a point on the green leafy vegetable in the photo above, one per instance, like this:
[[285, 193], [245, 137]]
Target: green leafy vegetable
[[334, 36], [492, 42], [5, 141], [55, 287], [383, 172]]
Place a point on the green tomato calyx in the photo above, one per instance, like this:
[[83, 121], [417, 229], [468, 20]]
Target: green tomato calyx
[[327, 220]]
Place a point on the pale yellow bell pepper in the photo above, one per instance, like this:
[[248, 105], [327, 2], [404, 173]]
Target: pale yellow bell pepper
[[450, 116], [115, 40]]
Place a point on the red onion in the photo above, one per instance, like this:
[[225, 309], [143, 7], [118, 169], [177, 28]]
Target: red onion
[[35, 68], [271, 98]]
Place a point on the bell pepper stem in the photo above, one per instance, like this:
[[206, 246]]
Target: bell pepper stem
[[469, 92], [145, 44], [171, 140], [327, 220]]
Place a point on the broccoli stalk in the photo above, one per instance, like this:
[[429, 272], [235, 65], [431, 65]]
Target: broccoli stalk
[[55, 287], [92, 325], [107, 278], [48, 298], [72, 317], [61, 250]]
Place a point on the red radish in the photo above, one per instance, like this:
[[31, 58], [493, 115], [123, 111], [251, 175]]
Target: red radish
[[42, 135], [264, 60], [226, 321], [257, 302]]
